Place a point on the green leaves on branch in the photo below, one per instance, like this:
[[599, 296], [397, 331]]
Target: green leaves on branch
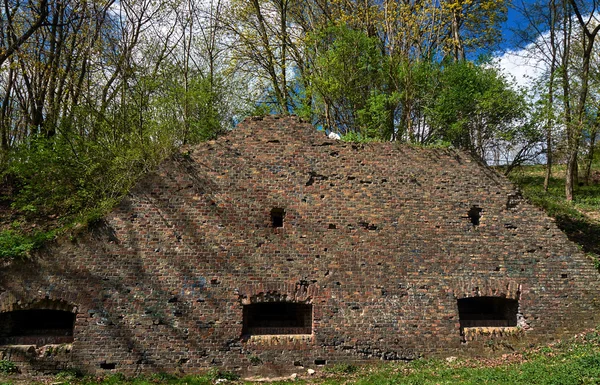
[[358, 88], [15, 245], [475, 107], [348, 71]]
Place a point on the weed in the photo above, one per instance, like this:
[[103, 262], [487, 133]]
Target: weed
[[69, 374], [342, 369], [218, 374], [8, 367], [255, 360]]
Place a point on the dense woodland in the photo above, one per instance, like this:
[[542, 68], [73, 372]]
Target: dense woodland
[[95, 93]]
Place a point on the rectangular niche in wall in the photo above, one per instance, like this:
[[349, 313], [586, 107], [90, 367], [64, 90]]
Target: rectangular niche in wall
[[487, 312], [36, 327], [270, 318], [277, 216]]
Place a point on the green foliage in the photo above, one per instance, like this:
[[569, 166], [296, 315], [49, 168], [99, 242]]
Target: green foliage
[[475, 104], [69, 375], [342, 369], [255, 360], [200, 107], [348, 72], [16, 245], [376, 117], [219, 374], [8, 367], [357, 88]]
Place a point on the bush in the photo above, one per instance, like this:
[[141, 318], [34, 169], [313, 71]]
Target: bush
[[8, 367]]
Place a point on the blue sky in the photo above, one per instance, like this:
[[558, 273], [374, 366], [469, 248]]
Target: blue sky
[[514, 19], [509, 58]]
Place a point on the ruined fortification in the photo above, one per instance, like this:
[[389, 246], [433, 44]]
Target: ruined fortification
[[274, 246]]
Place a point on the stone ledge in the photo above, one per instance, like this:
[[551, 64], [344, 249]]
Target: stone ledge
[[476, 333], [281, 339]]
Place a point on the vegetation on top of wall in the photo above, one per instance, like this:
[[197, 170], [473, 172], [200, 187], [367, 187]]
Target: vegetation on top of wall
[[17, 245], [83, 117]]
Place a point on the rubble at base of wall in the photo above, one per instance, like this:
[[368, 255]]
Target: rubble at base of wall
[[45, 359]]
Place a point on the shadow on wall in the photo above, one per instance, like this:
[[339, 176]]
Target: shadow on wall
[[581, 232]]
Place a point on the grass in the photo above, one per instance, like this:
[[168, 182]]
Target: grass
[[574, 361]]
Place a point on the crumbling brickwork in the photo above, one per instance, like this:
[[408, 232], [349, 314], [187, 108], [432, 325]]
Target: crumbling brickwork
[[381, 240]]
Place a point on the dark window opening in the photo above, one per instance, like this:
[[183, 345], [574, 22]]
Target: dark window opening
[[36, 327], [277, 216], [320, 361], [270, 318], [487, 312], [513, 201], [108, 365], [475, 215]]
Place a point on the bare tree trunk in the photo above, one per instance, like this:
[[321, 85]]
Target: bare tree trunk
[[16, 42], [588, 38], [283, 4], [459, 50], [591, 151], [566, 30], [550, 112], [278, 88]]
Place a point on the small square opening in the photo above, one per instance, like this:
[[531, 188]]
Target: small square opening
[[475, 215], [108, 365], [277, 215], [270, 318]]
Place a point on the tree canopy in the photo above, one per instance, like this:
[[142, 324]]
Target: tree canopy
[[96, 93]]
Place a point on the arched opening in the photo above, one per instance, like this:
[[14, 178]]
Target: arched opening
[[36, 327], [269, 318], [487, 312]]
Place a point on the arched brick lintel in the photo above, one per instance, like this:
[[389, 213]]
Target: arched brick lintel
[[504, 288], [9, 302], [278, 291]]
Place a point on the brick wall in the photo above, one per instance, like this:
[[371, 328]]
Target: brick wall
[[376, 237]]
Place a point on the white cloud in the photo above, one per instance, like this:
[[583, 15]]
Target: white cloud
[[522, 66], [530, 63]]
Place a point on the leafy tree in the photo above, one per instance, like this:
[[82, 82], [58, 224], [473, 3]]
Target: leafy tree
[[475, 108], [347, 75]]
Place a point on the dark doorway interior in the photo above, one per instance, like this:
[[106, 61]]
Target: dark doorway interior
[[36, 327], [487, 312], [269, 318]]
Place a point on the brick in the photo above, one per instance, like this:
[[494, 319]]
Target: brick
[[377, 237]]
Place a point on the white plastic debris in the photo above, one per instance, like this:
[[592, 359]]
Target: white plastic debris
[[333, 135]]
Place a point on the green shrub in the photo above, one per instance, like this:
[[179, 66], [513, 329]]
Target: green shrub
[[16, 245], [217, 374], [342, 369], [8, 367]]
